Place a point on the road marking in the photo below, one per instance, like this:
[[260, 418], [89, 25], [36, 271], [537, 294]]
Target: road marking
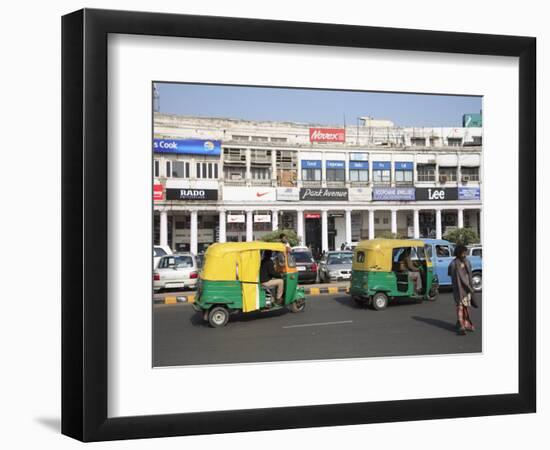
[[319, 324], [314, 291], [333, 290], [170, 300]]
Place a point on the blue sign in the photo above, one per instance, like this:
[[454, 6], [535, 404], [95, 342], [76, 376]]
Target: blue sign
[[468, 193], [336, 164], [381, 165], [311, 164], [393, 194], [399, 165], [187, 146], [359, 165]]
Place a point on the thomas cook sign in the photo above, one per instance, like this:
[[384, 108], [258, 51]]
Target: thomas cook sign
[[324, 194]]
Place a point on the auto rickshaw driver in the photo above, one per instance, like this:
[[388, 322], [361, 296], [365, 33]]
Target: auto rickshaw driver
[[270, 278], [407, 265]]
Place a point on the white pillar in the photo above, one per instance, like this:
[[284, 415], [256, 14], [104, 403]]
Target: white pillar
[[173, 246], [416, 223], [324, 230], [249, 227], [163, 228], [460, 213], [438, 223], [194, 232], [248, 174], [275, 220], [394, 221], [300, 226], [348, 226], [221, 228], [371, 223], [480, 225]]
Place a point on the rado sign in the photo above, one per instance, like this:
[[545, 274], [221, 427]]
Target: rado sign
[[191, 194], [436, 194], [324, 194]]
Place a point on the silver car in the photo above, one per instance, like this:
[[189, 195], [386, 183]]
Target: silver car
[[176, 271], [335, 266]]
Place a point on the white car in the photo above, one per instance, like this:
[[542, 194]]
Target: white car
[[158, 252], [176, 271]]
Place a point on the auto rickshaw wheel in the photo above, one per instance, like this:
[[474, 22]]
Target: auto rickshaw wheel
[[298, 306], [218, 316], [379, 301], [433, 294]]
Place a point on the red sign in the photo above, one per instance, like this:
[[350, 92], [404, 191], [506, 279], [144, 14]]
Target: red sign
[[327, 135], [312, 215], [158, 192]]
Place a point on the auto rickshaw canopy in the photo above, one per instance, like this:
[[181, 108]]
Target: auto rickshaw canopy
[[377, 254]]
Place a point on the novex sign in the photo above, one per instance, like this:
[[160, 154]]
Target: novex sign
[[327, 135], [187, 146]]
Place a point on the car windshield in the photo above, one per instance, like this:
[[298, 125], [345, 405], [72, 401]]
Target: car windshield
[[342, 258], [158, 251], [184, 262], [302, 257]]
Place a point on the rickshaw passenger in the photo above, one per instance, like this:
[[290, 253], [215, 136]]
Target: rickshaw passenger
[[269, 277], [408, 266]]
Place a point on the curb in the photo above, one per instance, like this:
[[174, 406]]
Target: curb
[[172, 299], [325, 290]]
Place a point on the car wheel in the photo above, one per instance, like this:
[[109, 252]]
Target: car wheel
[[218, 316], [476, 281], [379, 301], [298, 306]]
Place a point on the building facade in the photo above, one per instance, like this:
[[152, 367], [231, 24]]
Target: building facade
[[218, 180]]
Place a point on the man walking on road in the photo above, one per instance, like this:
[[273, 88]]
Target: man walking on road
[[460, 272]]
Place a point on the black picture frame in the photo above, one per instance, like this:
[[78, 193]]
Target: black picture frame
[[84, 224]]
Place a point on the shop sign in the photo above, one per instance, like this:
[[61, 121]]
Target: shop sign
[[158, 192], [436, 194], [311, 163], [468, 193], [241, 193], [187, 146], [324, 194], [363, 194], [262, 218], [335, 164], [359, 165], [393, 194], [327, 135], [403, 165], [312, 215], [191, 194], [235, 218], [381, 165], [288, 194]]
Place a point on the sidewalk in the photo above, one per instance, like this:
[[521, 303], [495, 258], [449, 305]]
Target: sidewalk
[[172, 298]]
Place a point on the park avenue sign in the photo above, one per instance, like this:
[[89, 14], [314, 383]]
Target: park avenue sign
[[324, 194]]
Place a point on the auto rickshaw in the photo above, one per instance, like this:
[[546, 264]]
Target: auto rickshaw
[[378, 275], [229, 281]]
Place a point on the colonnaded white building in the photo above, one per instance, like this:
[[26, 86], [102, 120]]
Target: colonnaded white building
[[218, 180]]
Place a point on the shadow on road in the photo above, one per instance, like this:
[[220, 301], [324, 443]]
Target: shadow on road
[[347, 301], [197, 320], [436, 323]]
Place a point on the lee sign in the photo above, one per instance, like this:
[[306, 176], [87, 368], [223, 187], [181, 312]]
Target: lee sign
[[436, 194]]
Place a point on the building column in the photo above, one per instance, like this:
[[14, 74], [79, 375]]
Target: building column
[[249, 227], [194, 244], [371, 223], [416, 223], [394, 221], [163, 228], [348, 226], [173, 243], [248, 174], [460, 219], [324, 230], [438, 223], [300, 226], [274, 167], [221, 226], [275, 219], [480, 225]]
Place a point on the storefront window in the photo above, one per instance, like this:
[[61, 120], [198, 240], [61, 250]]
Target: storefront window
[[447, 174], [470, 173], [381, 176], [425, 172], [207, 170], [404, 176], [336, 175], [311, 174], [361, 175]]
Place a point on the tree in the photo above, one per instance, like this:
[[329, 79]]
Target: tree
[[462, 236], [390, 235], [274, 236]]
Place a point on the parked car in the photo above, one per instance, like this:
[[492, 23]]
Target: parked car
[[158, 252], [475, 250], [306, 265], [441, 253], [349, 246], [176, 271], [335, 266]]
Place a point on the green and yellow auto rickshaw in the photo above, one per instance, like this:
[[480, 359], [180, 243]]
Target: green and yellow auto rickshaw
[[379, 275], [229, 281]]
